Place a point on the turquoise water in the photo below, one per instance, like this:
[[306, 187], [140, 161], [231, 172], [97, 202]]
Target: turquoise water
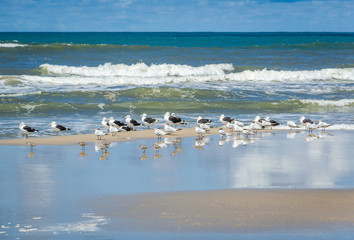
[[81, 77], [56, 191]]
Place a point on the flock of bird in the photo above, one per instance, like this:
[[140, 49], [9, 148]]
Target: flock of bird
[[172, 122]]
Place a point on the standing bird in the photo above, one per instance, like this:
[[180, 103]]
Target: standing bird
[[99, 133], [199, 131], [225, 120], [169, 129], [173, 120], [323, 125], [203, 120], [304, 120], [223, 133], [272, 122], [115, 123], [113, 130], [131, 122], [148, 121], [105, 123], [26, 130], [292, 124], [58, 128], [159, 133]]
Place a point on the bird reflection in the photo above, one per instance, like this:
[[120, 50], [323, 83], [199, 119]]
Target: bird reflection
[[291, 134], [103, 147], [311, 137], [31, 153], [157, 147], [144, 148], [224, 140], [200, 142], [176, 143], [83, 149]]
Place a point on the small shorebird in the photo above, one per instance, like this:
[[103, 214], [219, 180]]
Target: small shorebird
[[26, 130], [58, 128], [143, 147]]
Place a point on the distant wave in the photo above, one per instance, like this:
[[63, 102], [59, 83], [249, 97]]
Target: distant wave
[[12, 45], [329, 103], [156, 74]]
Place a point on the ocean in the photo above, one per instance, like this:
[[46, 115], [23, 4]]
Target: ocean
[[76, 79]]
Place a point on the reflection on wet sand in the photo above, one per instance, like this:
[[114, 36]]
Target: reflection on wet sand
[[31, 153], [103, 147]]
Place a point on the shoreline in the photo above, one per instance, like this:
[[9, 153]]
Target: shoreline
[[120, 137], [232, 210]]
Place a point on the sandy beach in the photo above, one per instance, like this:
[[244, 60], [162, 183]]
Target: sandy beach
[[231, 210], [121, 136]]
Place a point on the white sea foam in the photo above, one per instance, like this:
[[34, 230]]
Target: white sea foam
[[90, 225], [12, 45], [138, 70], [157, 74], [297, 76], [327, 103]]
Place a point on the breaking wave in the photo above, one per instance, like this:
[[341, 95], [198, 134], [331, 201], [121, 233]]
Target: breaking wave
[[157, 74]]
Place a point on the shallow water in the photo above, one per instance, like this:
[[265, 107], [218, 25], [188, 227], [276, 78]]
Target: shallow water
[[47, 192]]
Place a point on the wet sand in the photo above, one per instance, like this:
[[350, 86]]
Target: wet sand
[[230, 210], [121, 136]]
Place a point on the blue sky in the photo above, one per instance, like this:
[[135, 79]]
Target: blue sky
[[177, 15]]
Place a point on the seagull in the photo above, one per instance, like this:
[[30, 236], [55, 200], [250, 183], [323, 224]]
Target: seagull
[[238, 129], [58, 128], [113, 130], [223, 133], [204, 126], [272, 122], [169, 129], [292, 124], [172, 119], [115, 123], [131, 122], [238, 123], [225, 120], [310, 126], [99, 133], [26, 129], [229, 126], [323, 125], [105, 123], [203, 120], [159, 133], [147, 121], [304, 120], [254, 126], [262, 122], [199, 131]]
